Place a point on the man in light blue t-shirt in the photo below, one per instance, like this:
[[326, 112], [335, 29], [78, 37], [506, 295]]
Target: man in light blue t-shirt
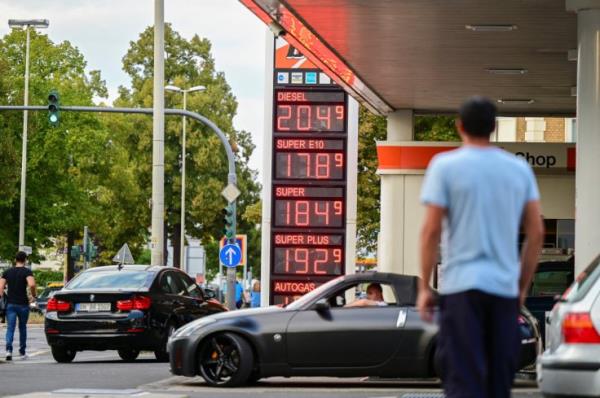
[[476, 199]]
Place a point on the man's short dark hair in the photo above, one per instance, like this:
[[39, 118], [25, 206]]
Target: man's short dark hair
[[21, 257], [478, 116], [375, 286]]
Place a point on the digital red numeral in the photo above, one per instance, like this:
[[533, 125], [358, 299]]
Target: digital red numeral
[[320, 261], [322, 166], [337, 255], [306, 156], [339, 112], [337, 207], [301, 256], [281, 118], [303, 120], [339, 160], [302, 213], [324, 116], [322, 213]]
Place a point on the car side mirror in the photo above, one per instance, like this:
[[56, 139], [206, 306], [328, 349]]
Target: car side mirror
[[558, 298], [209, 294], [322, 305]]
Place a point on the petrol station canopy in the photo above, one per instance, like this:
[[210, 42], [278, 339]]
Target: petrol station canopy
[[429, 56]]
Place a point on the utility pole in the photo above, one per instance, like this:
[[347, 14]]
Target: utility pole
[[26, 24], [183, 156], [85, 248], [158, 137]]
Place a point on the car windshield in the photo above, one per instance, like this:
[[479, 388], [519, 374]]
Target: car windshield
[[47, 292], [112, 280], [308, 297], [550, 283], [584, 282]]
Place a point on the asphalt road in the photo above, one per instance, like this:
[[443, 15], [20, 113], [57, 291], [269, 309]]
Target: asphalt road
[[104, 370]]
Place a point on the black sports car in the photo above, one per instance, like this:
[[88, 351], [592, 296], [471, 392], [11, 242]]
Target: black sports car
[[321, 335], [129, 309]]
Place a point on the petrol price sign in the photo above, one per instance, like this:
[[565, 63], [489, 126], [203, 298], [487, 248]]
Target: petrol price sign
[[307, 236], [308, 190]]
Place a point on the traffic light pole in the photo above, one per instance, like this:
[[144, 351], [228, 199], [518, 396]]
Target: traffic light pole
[[231, 176], [85, 248]]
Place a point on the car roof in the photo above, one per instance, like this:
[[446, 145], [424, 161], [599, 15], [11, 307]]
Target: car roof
[[134, 267]]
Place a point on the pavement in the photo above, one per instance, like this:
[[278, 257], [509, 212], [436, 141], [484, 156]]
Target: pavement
[[102, 374]]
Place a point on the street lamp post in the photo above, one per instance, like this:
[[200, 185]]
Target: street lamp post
[[183, 155], [26, 24]]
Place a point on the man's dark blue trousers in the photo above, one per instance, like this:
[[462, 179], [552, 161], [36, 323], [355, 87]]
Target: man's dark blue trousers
[[479, 344]]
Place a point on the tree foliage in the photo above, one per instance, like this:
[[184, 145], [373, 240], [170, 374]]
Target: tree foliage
[[64, 164], [188, 63], [94, 169], [373, 128]]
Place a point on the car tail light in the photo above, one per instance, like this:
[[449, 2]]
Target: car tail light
[[577, 328], [52, 331], [58, 305], [136, 303]]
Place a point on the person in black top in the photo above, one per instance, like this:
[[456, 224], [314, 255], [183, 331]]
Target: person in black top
[[18, 278]]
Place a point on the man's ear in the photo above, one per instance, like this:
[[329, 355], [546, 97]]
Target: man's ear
[[460, 128], [458, 124]]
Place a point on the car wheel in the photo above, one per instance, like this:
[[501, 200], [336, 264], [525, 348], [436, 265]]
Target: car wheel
[[129, 355], [254, 378], [162, 355], [63, 354], [226, 360]]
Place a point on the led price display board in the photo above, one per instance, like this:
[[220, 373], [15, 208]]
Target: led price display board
[[310, 112], [309, 178]]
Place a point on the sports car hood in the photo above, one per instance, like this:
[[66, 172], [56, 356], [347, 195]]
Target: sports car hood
[[247, 312], [237, 314]]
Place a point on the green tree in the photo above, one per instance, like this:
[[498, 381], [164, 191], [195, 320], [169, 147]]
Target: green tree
[[373, 128], [60, 160], [435, 128], [188, 63]]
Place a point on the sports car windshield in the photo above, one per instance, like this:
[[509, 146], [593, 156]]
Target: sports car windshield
[[308, 297]]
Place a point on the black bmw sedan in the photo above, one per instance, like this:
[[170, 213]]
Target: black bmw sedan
[[323, 333], [126, 308]]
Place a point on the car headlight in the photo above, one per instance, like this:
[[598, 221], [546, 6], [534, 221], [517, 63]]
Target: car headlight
[[190, 328]]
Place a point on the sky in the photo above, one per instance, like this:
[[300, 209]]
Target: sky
[[103, 29]]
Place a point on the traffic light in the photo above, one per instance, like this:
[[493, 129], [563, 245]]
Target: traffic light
[[91, 251], [228, 219], [75, 252], [53, 107]]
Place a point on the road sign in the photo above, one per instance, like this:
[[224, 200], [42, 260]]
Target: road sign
[[124, 256], [241, 240], [230, 255], [231, 192], [26, 249]]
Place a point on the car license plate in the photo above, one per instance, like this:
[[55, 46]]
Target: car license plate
[[93, 307]]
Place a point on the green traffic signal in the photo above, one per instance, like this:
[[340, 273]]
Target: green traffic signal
[[53, 107], [228, 219], [75, 252]]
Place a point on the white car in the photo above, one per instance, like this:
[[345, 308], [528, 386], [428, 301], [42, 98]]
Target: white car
[[571, 363]]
